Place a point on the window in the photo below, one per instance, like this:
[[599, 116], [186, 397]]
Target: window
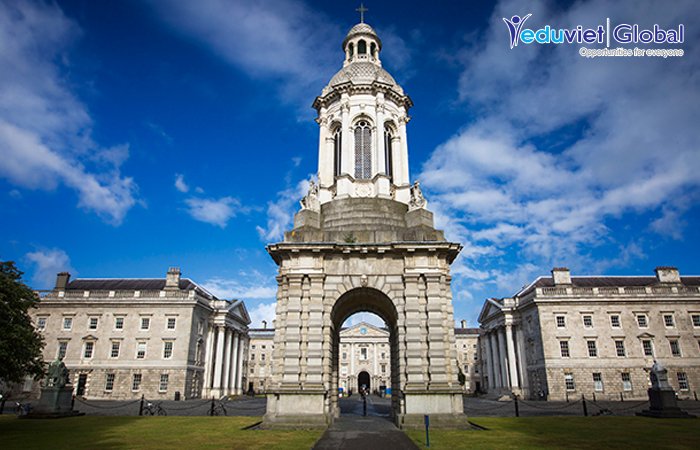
[[171, 323], [682, 381], [253, 346], [569, 381], [345, 355], [598, 382], [561, 321], [262, 357], [564, 349], [626, 381], [696, 320], [62, 348], [592, 349], [383, 366], [263, 347], [668, 320], [118, 323], [388, 157], [615, 321], [136, 382], [67, 323], [647, 347], [89, 347], [337, 151], [588, 321], [92, 324], [140, 350], [252, 356], [163, 386], [383, 355], [363, 151], [109, 382], [620, 348], [145, 323], [41, 323], [363, 353], [642, 320], [361, 47], [114, 352], [675, 347], [167, 349]]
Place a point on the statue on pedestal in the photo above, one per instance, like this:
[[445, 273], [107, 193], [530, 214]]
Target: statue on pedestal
[[662, 397], [57, 376]]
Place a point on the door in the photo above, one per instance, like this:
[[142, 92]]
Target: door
[[82, 381]]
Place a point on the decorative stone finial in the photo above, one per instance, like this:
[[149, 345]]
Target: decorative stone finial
[[310, 200], [417, 200]]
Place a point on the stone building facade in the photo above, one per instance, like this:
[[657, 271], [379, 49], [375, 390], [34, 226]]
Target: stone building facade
[[565, 336], [469, 357], [363, 241], [162, 338], [364, 358], [261, 344]]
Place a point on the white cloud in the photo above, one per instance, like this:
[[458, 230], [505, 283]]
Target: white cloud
[[45, 131], [260, 312], [562, 145], [180, 184], [280, 213], [243, 288], [366, 317], [48, 263], [282, 40], [213, 211]]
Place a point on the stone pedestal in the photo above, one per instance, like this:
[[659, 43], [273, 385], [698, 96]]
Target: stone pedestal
[[663, 404], [55, 402]]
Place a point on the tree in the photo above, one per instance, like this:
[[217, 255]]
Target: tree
[[20, 344]]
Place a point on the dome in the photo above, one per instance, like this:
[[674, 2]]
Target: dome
[[361, 72], [362, 28]]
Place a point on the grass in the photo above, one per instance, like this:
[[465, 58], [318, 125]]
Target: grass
[[568, 432], [92, 432]]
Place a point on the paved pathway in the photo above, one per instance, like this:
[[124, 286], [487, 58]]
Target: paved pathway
[[354, 431]]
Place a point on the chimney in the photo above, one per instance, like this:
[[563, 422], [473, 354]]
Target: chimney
[[464, 323], [172, 279], [264, 324], [62, 279], [561, 275], [667, 275]]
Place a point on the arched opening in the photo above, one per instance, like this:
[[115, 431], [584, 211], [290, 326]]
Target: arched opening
[[361, 47], [364, 381], [388, 152], [351, 50], [365, 351], [373, 50], [337, 150]]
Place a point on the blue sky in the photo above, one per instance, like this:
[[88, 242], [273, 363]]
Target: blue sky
[[139, 135]]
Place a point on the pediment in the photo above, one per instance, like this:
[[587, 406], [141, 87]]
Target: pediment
[[645, 335]]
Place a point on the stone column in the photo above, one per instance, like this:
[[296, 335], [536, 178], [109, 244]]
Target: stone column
[[512, 366], [242, 342], [314, 349], [374, 364], [352, 359], [227, 363], [497, 360], [436, 332], [490, 361], [415, 344], [503, 357], [293, 337], [348, 150], [520, 358], [216, 385], [209, 361], [380, 159], [402, 175], [234, 362]]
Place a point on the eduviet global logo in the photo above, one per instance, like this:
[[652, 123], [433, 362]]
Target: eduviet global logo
[[602, 34]]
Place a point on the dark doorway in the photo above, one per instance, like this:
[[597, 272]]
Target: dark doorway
[[363, 381], [82, 381]]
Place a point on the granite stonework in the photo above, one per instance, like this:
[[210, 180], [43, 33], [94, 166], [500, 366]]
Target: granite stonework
[[364, 240]]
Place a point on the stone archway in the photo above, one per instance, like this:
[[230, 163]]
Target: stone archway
[[364, 299], [363, 381]]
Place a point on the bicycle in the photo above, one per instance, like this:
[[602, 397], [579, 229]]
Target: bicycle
[[154, 409], [219, 409]]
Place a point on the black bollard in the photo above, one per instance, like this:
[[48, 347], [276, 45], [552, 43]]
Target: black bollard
[[72, 402], [517, 410], [622, 397], [585, 408], [141, 407], [594, 396], [364, 405], [211, 410], [567, 397], [695, 393]]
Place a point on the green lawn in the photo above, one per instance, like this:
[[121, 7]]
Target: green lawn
[[103, 433], [568, 432]]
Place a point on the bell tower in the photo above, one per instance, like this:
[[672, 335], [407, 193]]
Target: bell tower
[[363, 240]]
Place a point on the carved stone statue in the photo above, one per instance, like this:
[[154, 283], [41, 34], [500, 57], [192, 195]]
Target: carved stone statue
[[417, 200], [310, 200], [659, 376], [57, 374]]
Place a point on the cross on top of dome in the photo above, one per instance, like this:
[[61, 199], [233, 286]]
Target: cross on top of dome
[[362, 10]]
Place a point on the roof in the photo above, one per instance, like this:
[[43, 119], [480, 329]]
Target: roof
[[464, 331], [604, 281], [359, 29], [126, 284], [363, 72]]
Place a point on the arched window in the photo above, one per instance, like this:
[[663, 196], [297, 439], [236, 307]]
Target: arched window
[[361, 47], [373, 49], [388, 157], [363, 151], [337, 151], [351, 50]]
